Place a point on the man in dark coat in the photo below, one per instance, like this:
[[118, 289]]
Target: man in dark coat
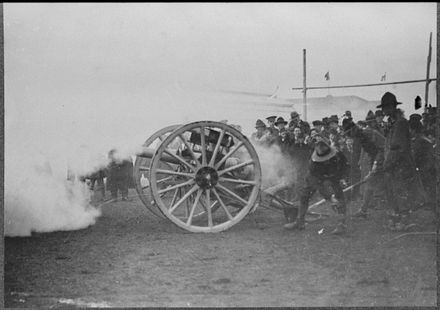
[[327, 168], [373, 147], [120, 173], [424, 159], [398, 163]]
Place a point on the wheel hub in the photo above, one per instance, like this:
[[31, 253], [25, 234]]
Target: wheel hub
[[206, 177]]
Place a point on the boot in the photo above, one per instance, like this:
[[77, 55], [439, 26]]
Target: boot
[[298, 224]]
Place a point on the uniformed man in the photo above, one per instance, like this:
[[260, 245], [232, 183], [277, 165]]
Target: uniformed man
[[119, 175], [327, 168], [373, 150], [398, 164]]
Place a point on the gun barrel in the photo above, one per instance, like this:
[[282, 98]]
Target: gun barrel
[[149, 153]]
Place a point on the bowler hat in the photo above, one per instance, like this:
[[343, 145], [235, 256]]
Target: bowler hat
[[280, 120], [294, 114], [387, 100], [260, 123], [323, 152]]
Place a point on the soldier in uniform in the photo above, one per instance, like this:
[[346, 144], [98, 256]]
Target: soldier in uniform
[[398, 164], [327, 168], [372, 150], [119, 175]]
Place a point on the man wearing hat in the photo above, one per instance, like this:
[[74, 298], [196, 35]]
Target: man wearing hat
[[347, 114], [371, 162], [285, 139], [317, 125], [327, 168], [398, 164], [295, 121], [261, 136], [273, 131]]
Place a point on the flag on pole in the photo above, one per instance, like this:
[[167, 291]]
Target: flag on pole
[[327, 76], [384, 77]]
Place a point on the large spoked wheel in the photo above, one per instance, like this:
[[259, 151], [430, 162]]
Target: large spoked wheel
[[142, 168], [219, 176]]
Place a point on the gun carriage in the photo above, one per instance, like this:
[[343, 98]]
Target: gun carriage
[[203, 176]]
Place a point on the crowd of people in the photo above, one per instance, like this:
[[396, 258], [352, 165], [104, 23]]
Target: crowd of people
[[391, 156]]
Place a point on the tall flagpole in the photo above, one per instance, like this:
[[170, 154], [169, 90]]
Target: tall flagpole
[[427, 71], [304, 87]]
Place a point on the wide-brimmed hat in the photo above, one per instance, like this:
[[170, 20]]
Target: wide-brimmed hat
[[387, 100], [323, 152], [280, 120], [271, 118], [259, 123]]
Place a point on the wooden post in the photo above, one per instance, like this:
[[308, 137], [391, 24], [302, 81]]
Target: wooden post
[[427, 71], [304, 87]]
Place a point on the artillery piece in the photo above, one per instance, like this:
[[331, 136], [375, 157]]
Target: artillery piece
[[203, 176]]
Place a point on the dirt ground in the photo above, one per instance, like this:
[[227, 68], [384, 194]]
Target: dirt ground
[[130, 258]]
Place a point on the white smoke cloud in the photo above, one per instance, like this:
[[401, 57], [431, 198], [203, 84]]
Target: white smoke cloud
[[40, 199], [276, 168]]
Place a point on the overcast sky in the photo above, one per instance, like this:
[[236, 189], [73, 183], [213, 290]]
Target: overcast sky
[[82, 73]]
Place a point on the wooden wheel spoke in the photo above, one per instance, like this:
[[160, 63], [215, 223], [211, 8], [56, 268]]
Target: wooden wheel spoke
[[192, 190], [203, 144], [208, 206], [189, 182], [231, 193], [173, 200], [184, 174], [164, 180], [193, 208], [246, 163], [190, 150], [238, 181], [222, 204], [217, 146], [180, 159], [144, 168], [230, 153]]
